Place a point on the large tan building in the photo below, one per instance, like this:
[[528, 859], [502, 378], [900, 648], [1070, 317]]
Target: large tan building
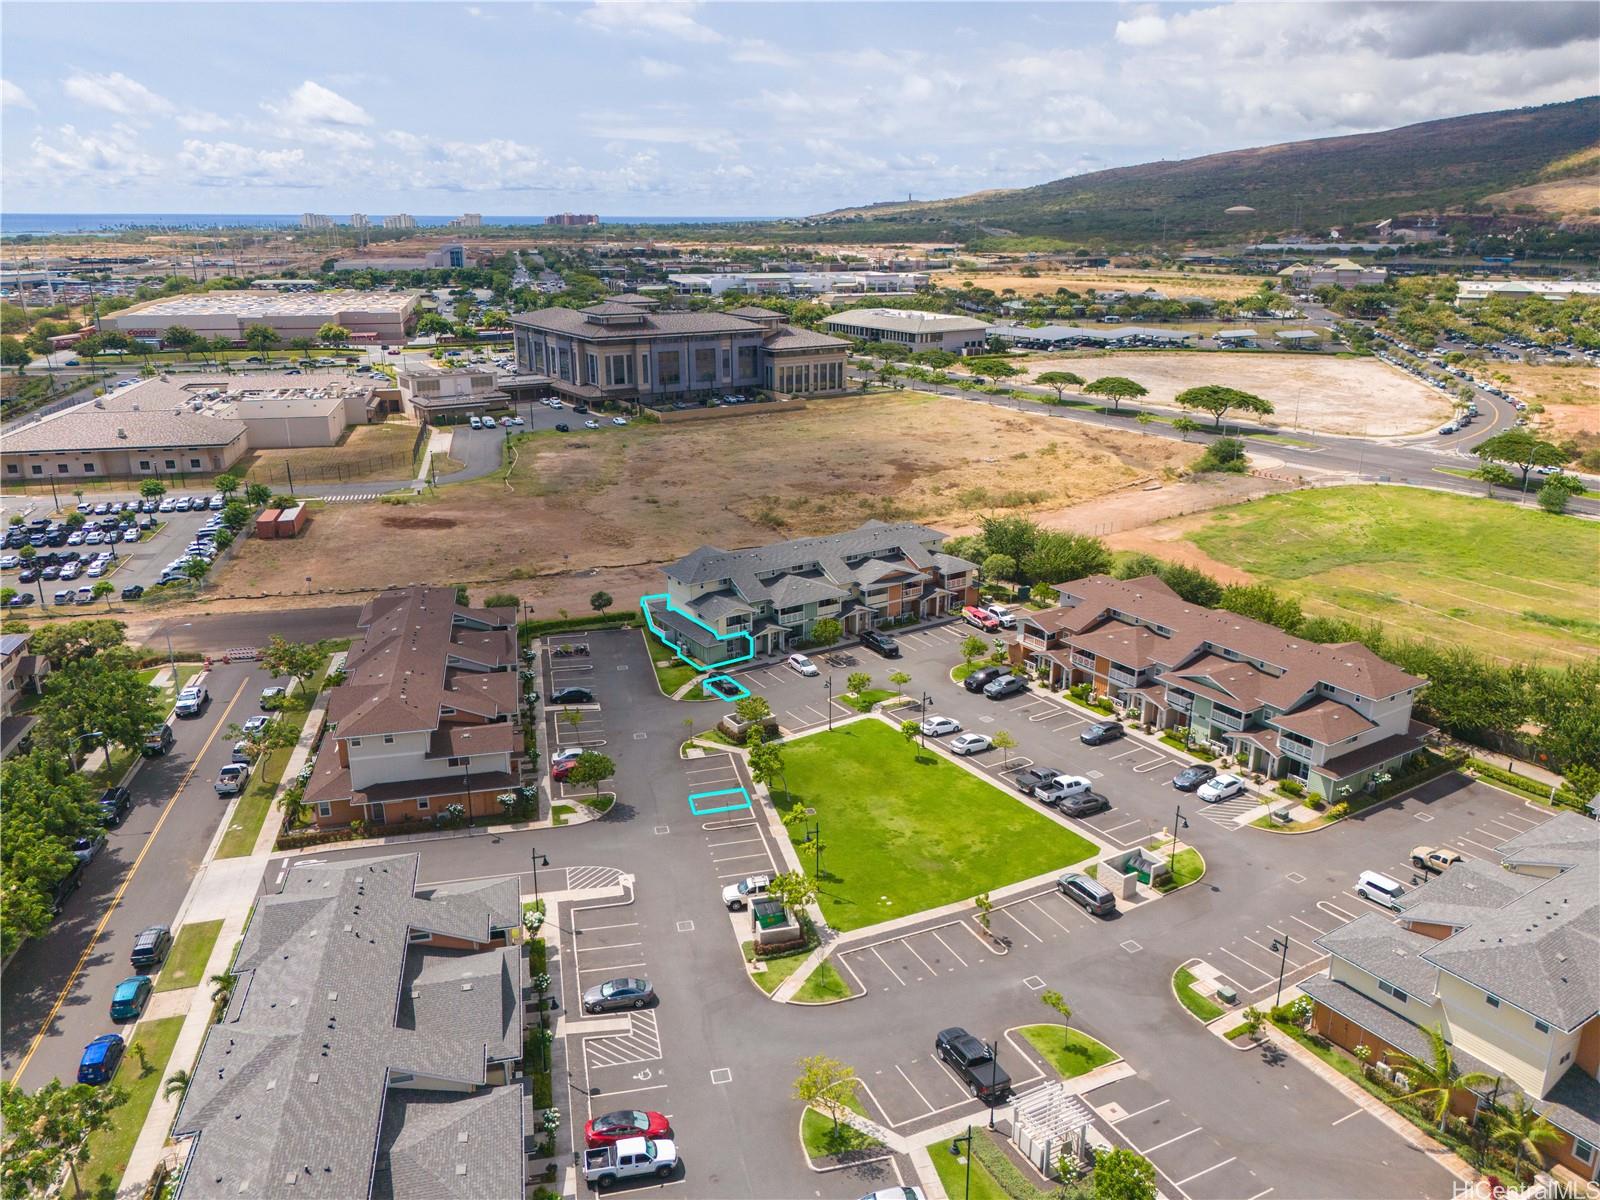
[[369, 316], [444, 395]]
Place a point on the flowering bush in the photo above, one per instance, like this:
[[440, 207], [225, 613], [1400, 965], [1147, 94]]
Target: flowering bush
[[551, 1120]]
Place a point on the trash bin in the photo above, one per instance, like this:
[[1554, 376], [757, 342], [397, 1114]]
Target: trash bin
[[1227, 995]]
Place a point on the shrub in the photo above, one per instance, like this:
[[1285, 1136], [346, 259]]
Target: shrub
[[1292, 787], [502, 600], [562, 624]]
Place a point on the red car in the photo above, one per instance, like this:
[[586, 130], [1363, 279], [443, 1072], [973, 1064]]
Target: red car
[[627, 1123], [985, 621], [560, 769]]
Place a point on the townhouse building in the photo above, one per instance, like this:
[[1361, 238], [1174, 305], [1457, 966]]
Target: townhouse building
[[427, 716], [21, 671], [726, 604], [1502, 957], [628, 350], [1333, 717], [372, 1046]]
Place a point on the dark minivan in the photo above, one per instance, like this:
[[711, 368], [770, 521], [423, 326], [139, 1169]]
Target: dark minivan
[[1094, 897], [983, 677], [150, 947]]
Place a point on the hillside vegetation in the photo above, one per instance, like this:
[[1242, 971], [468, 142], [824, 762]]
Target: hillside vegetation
[[1435, 166]]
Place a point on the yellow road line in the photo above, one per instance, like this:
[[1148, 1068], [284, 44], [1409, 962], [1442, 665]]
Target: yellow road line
[[83, 958]]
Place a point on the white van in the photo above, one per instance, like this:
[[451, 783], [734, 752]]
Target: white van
[[1380, 889], [476, 422]]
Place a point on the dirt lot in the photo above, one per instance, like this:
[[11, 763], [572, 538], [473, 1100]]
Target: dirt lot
[[1169, 283], [366, 452], [1314, 392], [1570, 395], [646, 494]]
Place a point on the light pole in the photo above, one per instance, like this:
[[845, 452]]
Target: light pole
[[994, 1072], [814, 840], [538, 861], [1177, 819], [829, 686], [957, 1141], [1282, 946]]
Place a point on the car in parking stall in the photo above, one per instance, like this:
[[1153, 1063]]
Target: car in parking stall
[[1094, 896], [620, 993], [970, 743], [972, 1060], [983, 677], [572, 695], [114, 805], [130, 997], [1061, 788], [1427, 858], [1191, 777], [936, 726], [100, 1059], [1006, 685], [1030, 779], [1219, 788], [86, 848], [1002, 614], [231, 778], [802, 665], [980, 618], [737, 896], [1102, 732], [880, 643], [614, 1126]]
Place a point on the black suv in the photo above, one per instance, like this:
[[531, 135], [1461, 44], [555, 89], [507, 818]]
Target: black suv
[[971, 1060], [1101, 733], [571, 695], [114, 804], [150, 947], [881, 642], [1034, 777], [983, 677]]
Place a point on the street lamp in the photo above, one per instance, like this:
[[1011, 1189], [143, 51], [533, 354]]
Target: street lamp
[[829, 686], [539, 860], [965, 1138], [171, 658], [1282, 946], [994, 1072], [1177, 819], [813, 839]]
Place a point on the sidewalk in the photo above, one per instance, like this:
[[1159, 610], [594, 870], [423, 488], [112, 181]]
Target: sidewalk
[[439, 440]]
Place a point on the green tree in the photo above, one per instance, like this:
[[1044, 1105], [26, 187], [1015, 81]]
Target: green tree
[[827, 631], [899, 679], [220, 346], [263, 339], [432, 324], [1219, 401], [333, 335], [1434, 1080], [999, 566], [1060, 381], [235, 514], [752, 710], [93, 702], [182, 338], [973, 648], [1116, 388], [65, 641], [601, 601], [792, 889], [47, 804], [1054, 1001], [1123, 1175], [1224, 454], [257, 494], [910, 730], [766, 761], [1493, 476], [1522, 449], [298, 660], [1553, 498], [152, 489], [1004, 743], [1261, 603], [48, 1130], [857, 682], [227, 484], [985, 907], [1062, 557], [13, 353], [594, 768], [102, 587], [1521, 1130], [195, 569], [1185, 426], [1013, 536], [827, 1085], [176, 1084]]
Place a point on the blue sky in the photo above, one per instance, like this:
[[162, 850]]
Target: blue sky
[[707, 108]]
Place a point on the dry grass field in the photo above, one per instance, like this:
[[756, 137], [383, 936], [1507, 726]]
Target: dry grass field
[[1309, 391], [365, 453], [614, 498], [1169, 283], [1570, 395]]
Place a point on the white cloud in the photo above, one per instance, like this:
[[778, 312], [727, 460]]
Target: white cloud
[[11, 96], [109, 158], [1147, 29], [664, 18], [655, 68], [311, 104], [761, 53], [115, 92], [202, 122], [228, 164]]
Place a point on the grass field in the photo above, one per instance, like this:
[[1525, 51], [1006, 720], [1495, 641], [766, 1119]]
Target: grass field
[[1183, 982], [822, 985], [627, 496], [1509, 582], [821, 1139], [186, 961], [379, 451], [1168, 283], [1071, 1052], [251, 812], [953, 1174], [110, 1149], [905, 830]]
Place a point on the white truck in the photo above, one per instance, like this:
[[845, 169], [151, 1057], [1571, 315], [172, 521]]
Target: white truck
[[629, 1158]]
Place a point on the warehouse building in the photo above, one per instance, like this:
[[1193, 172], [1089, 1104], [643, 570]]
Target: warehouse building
[[369, 316], [911, 327]]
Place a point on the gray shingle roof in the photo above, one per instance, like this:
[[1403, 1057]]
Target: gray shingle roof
[[332, 998], [1462, 894], [1565, 838], [441, 1146], [90, 429], [1380, 947], [787, 337]]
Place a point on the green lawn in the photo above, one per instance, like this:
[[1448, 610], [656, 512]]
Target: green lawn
[[186, 961], [673, 676], [817, 1132], [110, 1148], [256, 802], [1186, 868], [169, 693], [953, 1175], [1071, 1053], [110, 772], [1204, 1007], [1495, 577], [864, 701], [778, 969], [822, 985], [905, 830]]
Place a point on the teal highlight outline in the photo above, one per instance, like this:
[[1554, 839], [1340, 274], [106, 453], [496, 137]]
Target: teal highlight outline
[[710, 679], [706, 812], [750, 642]]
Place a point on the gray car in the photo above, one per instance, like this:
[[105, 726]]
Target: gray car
[[618, 993]]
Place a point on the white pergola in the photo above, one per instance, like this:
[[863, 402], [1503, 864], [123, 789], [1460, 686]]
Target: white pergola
[[1047, 1122]]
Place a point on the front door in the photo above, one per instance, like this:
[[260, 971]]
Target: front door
[[375, 814]]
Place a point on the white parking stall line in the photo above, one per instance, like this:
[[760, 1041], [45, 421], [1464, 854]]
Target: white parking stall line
[[737, 842], [1246, 962], [1529, 821], [888, 968], [1333, 910], [1140, 1112], [1293, 966], [736, 858], [914, 1088], [613, 969], [1474, 842], [1259, 1195], [1127, 753], [1124, 825], [1007, 913], [1207, 1171], [1034, 903], [618, 925], [1149, 1150], [1511, 829], [1316, 929], [1153, 765], [1347, 1116], [949, 947], [618, 946], [581, 878], [1068, 725], [907, 944], [1464, 852]]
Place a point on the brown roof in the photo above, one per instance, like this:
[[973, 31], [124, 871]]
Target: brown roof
[[1131, 646], [658, 324], [1376, 754], [455, 740], [787, 337], [1325, 721]]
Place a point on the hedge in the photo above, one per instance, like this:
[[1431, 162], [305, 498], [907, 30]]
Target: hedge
[[1010, 1180], [567, 624], [1520, 784]]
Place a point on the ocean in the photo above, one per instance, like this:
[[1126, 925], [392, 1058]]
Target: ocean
[[15, 224]]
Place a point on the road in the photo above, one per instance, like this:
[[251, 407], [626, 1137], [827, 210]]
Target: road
[[717, 1056], [57, 989]]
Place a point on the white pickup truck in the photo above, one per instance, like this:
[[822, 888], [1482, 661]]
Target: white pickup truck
[[629, 1158]]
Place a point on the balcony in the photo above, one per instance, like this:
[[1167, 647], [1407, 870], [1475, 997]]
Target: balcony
[[1180, 701], [1222, 720], [1123, 676], [1084, 661]]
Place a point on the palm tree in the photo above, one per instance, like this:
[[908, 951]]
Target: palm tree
[[1521, 1129], [222, 987], [177, 1084], [1434, 1082]]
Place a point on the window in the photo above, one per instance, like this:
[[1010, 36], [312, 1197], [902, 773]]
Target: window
[[355, 741], [11, 469], [1540, 1026], [88, 468], [725, 363], [1564, 1058], [705, 365], [593, 365], [1492, 1001], [324, 810], [1389, 989], [172, 464], [1582, 1150], [644, 370], [565, 369], [619, 369], [144, 464], [37, 469], [669, 367], [417, 935], [422, 805], [194, 464], [456, 762], [388, 739], [747, 361], [62, 468]]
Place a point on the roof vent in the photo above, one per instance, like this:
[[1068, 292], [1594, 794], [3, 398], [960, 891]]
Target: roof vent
[[122, 433], [461, 1168], [313, 1077]]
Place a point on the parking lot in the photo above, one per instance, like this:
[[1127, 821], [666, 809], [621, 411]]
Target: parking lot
[[133, 563], [1192, 1163]]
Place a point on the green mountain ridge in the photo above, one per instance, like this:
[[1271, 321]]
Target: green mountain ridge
[[1436, 166]]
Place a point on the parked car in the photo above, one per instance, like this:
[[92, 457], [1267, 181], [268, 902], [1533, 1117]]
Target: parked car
[[973, 1062], [1084, 804], [979, 618], [939, 726], [619, 420], [803, 665], [570, 754], [132, 592], [256, 725], [1030, 779], [881, 643], [1220, 787], [563, 427], [1101, 732], [1002, 614], [614, 1126], [114, 805], [737, 896], [1190, 778], [158, 741], [130, 997], [273, 697], [726, 688], [591, 423], [1061, 787], [623, 992], [572, 695], [983, 677], [1380, 889], [101, 1058], [970, 743], [231, 779], [1006, 685], [629, 1158], [192, 700], [150, 947], [1426, 858], [1095, 897]]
